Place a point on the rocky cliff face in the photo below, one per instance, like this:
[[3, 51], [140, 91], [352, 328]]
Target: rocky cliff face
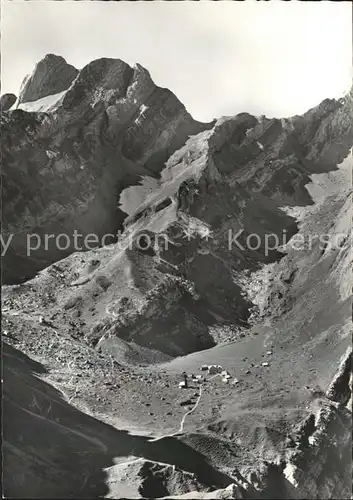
[[73, 142], [205, 271], [50, 76]]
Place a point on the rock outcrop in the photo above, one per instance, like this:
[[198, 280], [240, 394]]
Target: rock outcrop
[[7, 101]]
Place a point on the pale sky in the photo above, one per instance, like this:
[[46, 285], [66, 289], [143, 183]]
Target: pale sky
[[219, 58]]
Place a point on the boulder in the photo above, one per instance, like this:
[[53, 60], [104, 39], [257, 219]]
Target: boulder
[[7, 101]]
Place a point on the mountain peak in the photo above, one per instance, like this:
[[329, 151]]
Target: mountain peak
[[51, 75]]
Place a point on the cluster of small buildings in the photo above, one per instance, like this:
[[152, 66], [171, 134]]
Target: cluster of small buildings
[[211, 370], [215, 370], [194, 378]]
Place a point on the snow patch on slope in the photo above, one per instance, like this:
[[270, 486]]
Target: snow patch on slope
[[330, 183], [132, 197], [323, 185], [45, 104]]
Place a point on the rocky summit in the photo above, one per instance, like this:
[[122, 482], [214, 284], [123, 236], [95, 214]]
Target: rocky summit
[[176, 303]]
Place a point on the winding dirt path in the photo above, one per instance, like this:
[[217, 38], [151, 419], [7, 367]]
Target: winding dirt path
[[181, 428]]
